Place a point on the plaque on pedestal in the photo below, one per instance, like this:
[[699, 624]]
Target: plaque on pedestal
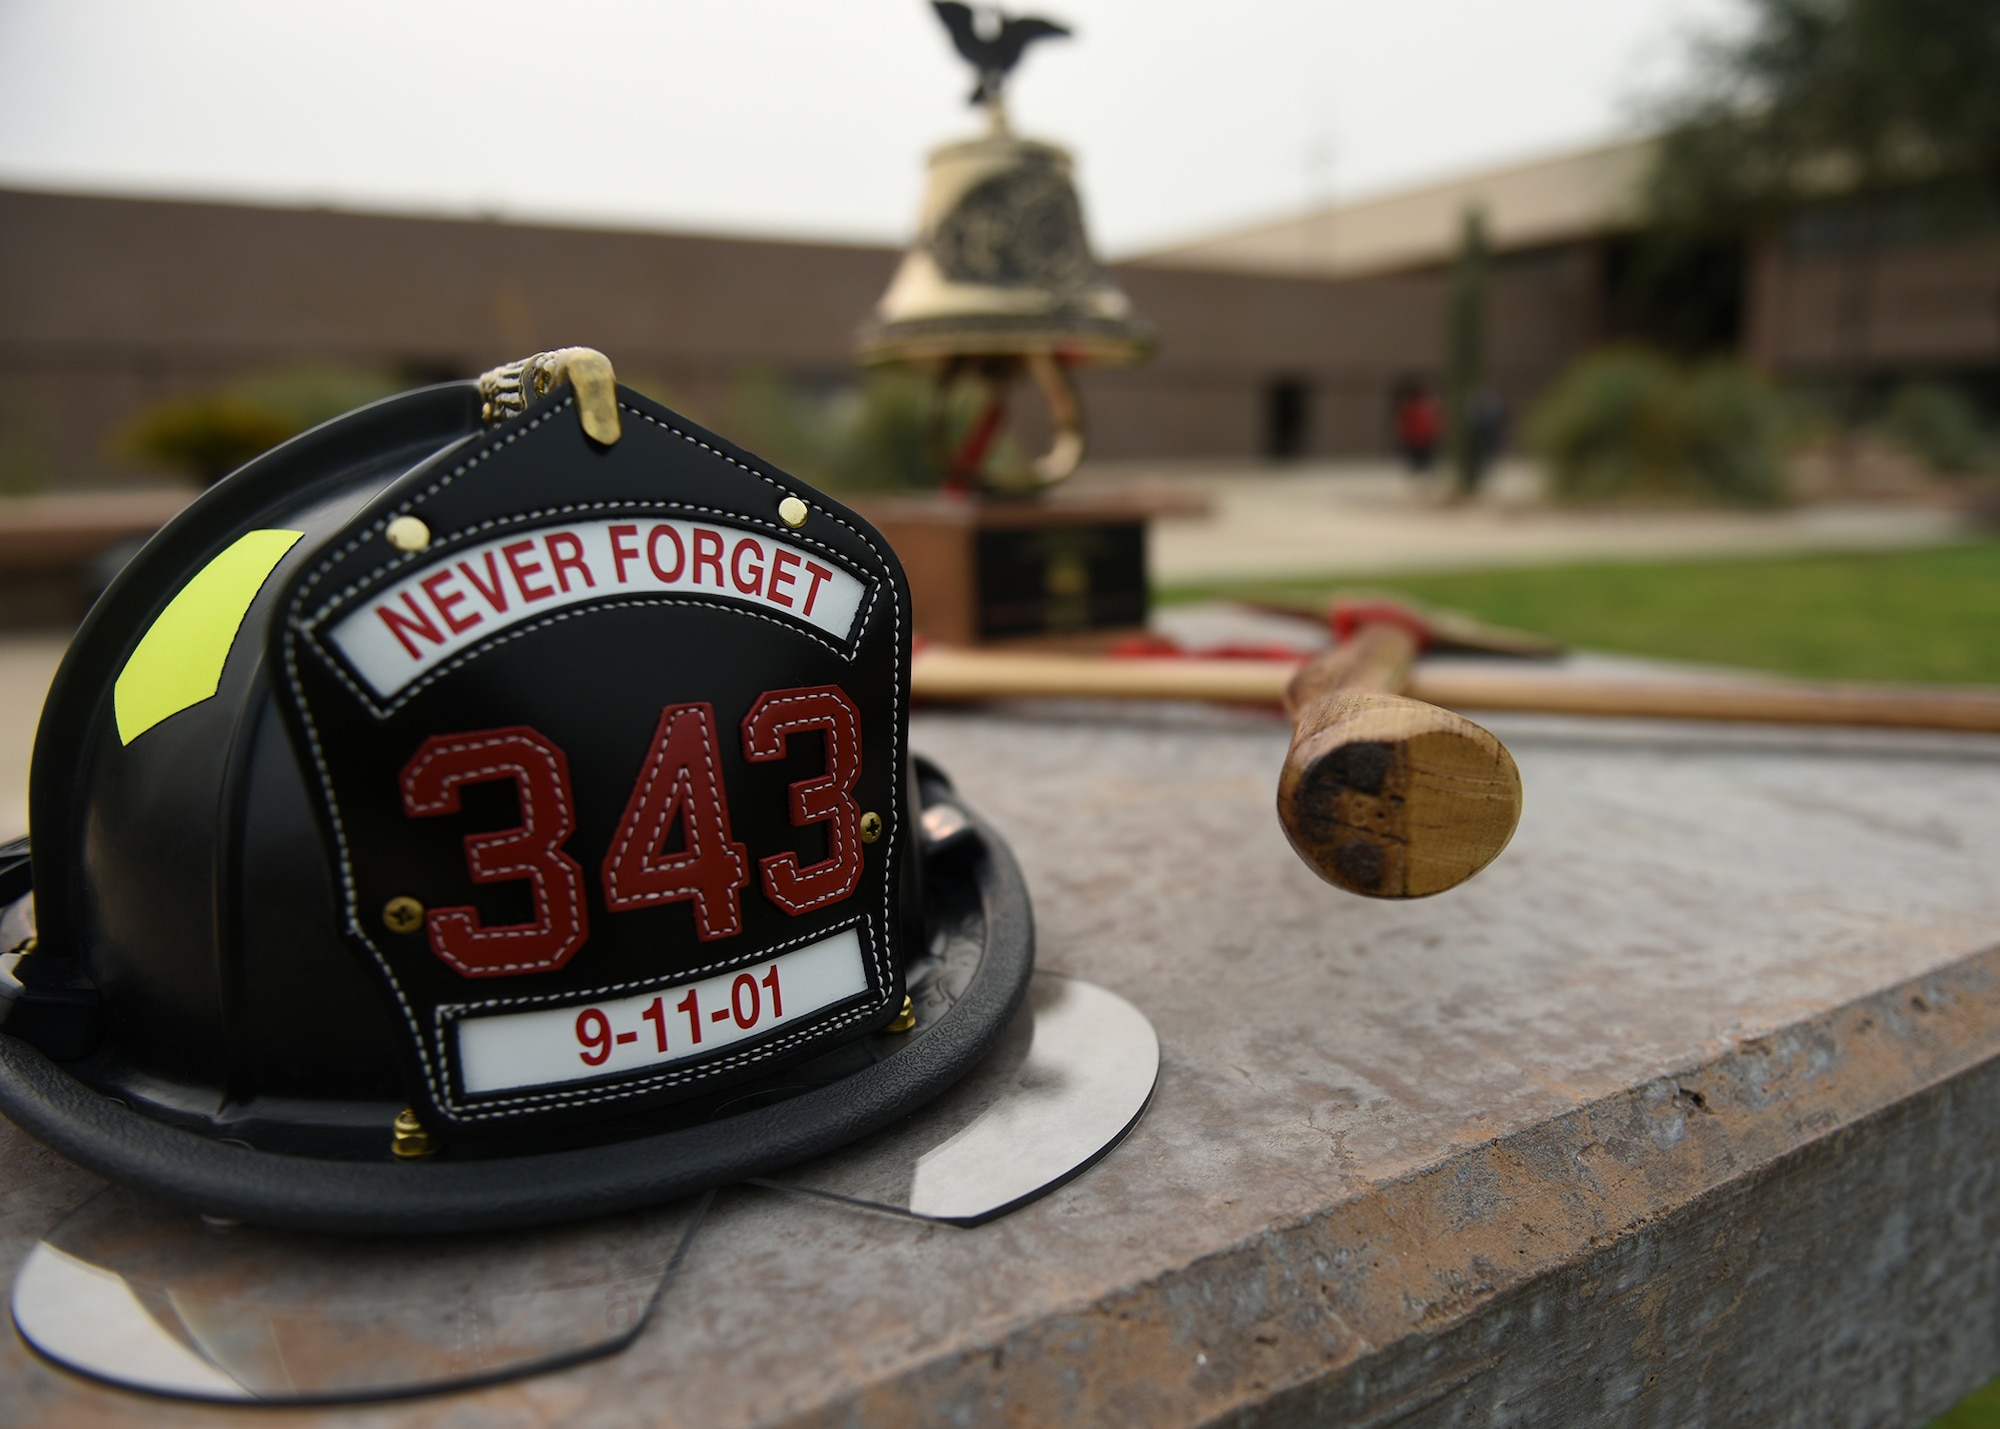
[[1065, 572]]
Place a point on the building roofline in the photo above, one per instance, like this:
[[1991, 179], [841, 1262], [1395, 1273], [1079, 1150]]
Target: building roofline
[[41, 188], [1562, 196]]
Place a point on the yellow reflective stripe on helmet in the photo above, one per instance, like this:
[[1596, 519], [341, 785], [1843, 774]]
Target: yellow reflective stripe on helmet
[[179, 661]]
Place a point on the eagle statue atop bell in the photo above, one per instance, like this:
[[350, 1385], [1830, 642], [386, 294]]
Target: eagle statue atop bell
[[1001, 283]]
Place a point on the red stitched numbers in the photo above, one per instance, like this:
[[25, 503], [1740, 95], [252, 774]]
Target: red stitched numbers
[[680, 783], [431, 781], [680, 779], [826, 799]]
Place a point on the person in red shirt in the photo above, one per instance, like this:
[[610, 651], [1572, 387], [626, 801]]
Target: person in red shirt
[[1419, 422]]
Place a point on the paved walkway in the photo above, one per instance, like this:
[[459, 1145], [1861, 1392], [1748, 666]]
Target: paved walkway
[[1369, 518]]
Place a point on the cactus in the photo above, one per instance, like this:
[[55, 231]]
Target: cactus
[[1465, 348]]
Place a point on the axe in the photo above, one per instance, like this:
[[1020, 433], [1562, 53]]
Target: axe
[[1380, 794], [1389, 796]]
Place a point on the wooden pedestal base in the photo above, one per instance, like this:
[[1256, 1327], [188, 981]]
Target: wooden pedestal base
[[1065, 573]]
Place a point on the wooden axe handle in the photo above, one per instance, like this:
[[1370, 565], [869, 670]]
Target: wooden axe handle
[[945, 674], [1763, 701], [1392, 797], [1382, 794]]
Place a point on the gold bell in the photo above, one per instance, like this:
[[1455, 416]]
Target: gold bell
[[1001, 282]]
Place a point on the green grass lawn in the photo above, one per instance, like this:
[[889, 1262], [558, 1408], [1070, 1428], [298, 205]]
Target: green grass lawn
[[1904, 615], [1978, 1410]]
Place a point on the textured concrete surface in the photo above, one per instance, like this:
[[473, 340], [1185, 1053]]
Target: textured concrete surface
[[1685, 1111]]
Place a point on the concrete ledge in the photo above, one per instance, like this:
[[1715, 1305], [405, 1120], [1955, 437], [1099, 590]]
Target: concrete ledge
[[1805, 1231], [48, 545], [1685, 1111], [39, 533]]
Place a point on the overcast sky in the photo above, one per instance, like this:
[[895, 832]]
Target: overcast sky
[[805, 118]]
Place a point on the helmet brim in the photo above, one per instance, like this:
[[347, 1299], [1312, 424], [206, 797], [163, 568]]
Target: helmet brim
[[217, 1178]]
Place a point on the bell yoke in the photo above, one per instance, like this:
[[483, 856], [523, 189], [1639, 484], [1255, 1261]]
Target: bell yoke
[[492, 806]]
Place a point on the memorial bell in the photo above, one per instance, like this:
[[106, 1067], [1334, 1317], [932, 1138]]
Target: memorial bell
[[1001, 283]]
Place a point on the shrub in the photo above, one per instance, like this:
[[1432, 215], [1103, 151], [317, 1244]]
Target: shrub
[[772, 418], [871, 437], [883, 440], [208, 436], [26, 456], [1628, 423], [1604, 429], [204, 437], [1939, 426], [311, 394], [1731, 424]]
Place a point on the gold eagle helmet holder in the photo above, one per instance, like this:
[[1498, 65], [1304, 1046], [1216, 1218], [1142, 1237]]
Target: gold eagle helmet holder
[[1001, 284], [506, 391]]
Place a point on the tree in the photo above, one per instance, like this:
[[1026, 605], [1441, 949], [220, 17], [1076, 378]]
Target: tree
[[1820, 98]]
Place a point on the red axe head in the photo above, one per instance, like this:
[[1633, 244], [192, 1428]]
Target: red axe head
[[1348, 615], [1434, 629]]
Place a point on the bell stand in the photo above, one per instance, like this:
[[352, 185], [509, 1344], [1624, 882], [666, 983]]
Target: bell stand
[[995, 375], [1003, 558]]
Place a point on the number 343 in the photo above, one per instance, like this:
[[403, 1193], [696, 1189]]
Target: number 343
[[679, 780]]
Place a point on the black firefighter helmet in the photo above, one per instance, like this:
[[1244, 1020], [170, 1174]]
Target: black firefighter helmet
[[494, 806]]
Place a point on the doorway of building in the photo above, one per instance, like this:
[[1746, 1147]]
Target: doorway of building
[[1285, 419]]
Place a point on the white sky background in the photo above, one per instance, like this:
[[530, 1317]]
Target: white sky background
[[805, 118]]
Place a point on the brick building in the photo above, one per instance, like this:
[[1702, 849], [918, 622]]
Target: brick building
[[1869, 290], [1280, 340]]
